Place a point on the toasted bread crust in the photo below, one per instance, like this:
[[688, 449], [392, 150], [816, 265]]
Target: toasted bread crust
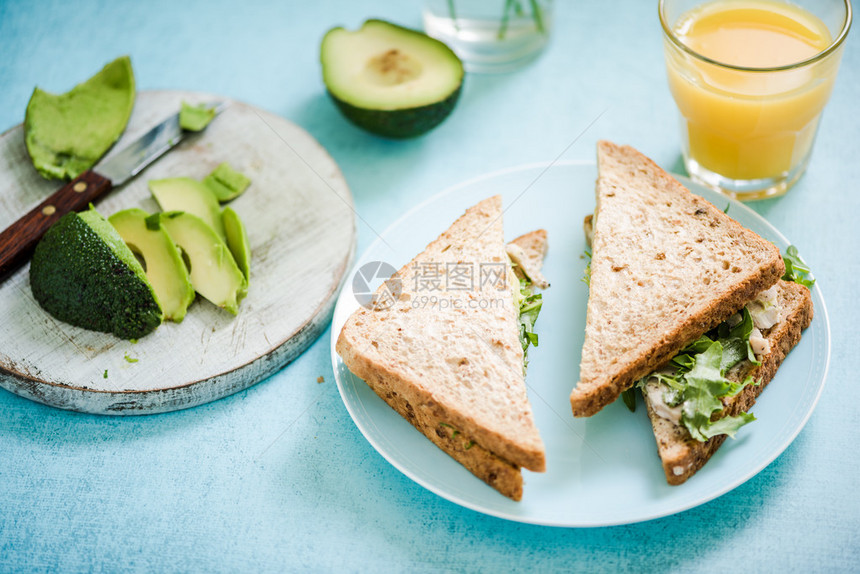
[[681, 455], [434, 422], [618, 351]]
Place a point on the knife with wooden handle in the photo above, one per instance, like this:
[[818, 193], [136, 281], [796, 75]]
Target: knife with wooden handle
[[18, 241]]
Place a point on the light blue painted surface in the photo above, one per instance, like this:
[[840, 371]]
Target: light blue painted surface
[[277, 477]]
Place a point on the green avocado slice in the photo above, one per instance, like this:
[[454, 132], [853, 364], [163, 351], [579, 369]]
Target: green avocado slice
[[66, 134], [189, 195], [214, 273], [390, 80], [165, 269], [83, 273], [237, 241]]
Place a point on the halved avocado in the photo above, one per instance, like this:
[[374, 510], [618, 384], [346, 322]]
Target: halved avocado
[[83, 273], [165, 269], [391, 80]]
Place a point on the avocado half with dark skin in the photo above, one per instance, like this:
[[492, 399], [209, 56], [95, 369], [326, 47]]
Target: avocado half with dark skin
[[83, 274], [390, 80]]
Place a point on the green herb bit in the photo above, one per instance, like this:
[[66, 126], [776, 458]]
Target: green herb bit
[[129, 359], [538, 16], [515, 7], [105, 375], [454, 432], [452, 12], [503, 25], [586, 274], [469, 445]]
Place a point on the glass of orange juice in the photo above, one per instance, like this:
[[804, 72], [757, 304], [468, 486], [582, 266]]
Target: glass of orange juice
[[751, 78]]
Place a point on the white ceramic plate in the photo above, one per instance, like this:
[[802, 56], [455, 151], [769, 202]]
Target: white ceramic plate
[[602, 470]]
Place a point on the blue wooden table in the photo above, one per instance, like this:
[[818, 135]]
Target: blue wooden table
[[278, 478]]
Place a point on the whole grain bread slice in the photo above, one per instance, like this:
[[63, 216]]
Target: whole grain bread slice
[[666, 267], [682, 455], [446, 354]]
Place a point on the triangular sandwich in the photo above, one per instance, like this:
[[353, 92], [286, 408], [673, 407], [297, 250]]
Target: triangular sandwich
[[666, 266], [446, 351]]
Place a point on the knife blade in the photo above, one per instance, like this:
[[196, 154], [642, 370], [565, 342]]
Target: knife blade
[[18, 241]]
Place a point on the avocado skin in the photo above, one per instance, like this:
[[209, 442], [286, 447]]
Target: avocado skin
[[66, 134], [400, 124], [77, 278]]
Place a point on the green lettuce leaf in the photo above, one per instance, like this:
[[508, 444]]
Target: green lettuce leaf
[[686, 358], [629, 398], [736, 342], [705, 386], [796, 269], [530, 306], [727, 425]]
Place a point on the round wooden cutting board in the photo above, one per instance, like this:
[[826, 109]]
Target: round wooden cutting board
[[300, 221]]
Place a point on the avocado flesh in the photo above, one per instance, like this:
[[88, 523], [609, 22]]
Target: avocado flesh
[[391, 80], [165, 269], [195, 118], [237, 241], [226, 183], [66, 134], [189, 195], [83, 273], [214, 273]]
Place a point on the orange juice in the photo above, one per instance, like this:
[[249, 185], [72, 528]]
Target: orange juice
[[749, 97]]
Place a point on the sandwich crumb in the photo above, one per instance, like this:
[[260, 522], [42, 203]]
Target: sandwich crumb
[[320, 379]]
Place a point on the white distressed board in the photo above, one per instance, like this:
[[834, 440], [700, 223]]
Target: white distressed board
[[300, 221]]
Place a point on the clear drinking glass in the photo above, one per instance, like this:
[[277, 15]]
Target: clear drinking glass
[[490, 35], [749, 131]]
